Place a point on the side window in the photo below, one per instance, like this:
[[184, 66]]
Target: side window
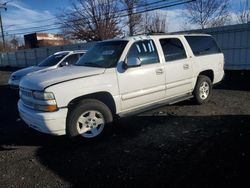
[[81, 54], [72, 59], [173, 49], [203, 45], [145, 51]]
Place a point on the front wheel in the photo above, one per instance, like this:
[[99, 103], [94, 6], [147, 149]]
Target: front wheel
[[88, 119], [203, 89]]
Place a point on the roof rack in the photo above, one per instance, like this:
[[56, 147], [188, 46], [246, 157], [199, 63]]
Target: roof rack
[[149, 33], [158, 33]]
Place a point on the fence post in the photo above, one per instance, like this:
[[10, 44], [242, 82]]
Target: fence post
[[25, 59], [47, 49], [1, 60], [8, 61], [15, 59], [35, 54]]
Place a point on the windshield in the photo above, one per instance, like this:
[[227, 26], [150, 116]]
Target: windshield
[[52, 60], [103, 54]]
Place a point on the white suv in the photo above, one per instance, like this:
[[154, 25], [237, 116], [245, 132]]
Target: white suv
[[120, 77]]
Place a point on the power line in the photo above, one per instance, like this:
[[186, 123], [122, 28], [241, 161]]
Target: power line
[[68, 14], [38, 21], [48, 25], [175, 3]]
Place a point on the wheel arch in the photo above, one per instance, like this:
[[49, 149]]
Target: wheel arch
[[104, 97], [209, 73]]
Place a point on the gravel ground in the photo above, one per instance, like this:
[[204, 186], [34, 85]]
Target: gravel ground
[[182, 145]]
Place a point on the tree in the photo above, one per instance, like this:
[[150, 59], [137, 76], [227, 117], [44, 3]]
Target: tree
[[244, 13], [208, 13], [14, 43], [156, 23], [134, 20], [92, 20]]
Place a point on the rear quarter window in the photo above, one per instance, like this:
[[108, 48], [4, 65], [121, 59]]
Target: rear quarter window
[[203, 45]]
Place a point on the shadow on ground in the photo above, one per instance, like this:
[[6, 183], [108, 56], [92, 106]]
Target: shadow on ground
[[158, 151], [150, 151], [235, 80]]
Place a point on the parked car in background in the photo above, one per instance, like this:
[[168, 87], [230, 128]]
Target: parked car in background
[[58, 59]]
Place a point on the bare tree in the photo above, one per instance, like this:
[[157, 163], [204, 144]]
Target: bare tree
[[92, 20], [14, 42], [156, 23], [134, 20], [244, 13], [6, 47], [208, 13]]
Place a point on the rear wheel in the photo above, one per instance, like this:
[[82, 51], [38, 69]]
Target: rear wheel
[[88, 119], [203, 89]]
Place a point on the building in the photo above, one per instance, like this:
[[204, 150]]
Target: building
[[36, 40]]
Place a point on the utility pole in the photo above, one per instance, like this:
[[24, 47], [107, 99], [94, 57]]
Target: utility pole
[[247, 9], [2, 6]]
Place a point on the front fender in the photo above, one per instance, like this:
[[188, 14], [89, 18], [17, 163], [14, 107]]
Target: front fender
[[70, 90]]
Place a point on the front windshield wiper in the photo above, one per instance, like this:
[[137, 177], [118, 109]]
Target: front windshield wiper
[[91, 64]]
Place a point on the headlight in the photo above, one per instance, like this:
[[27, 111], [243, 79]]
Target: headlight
[[43, 95], [15, 77]]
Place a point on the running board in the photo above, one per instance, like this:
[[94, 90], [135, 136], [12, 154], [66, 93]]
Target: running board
[[157, 105]]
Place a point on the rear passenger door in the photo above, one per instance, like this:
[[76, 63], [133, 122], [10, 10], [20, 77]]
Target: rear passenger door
[[178, 67]]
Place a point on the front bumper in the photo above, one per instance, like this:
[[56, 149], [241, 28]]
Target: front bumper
[[46, 122]]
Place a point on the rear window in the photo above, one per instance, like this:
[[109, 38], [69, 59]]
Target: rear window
[[52, 60], [203, 45]]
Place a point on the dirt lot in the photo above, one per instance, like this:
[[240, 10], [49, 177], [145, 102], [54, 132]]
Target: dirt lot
[[175, 146]]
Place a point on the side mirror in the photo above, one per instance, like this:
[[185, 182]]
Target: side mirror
[[63, 64], [132, 62]]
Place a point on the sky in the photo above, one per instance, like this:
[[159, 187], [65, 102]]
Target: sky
[[24, 14]]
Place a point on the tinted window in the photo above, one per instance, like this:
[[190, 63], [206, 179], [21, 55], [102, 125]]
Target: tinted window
[[202, 45], [103, 54], [145, 51], [173, 49], [72, 59], [52, 60]]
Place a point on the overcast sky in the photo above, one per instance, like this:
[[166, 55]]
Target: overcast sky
[[25, 15]]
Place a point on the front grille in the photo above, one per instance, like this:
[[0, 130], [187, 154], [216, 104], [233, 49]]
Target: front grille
[[26, 97], [28, 103], [26, 93]]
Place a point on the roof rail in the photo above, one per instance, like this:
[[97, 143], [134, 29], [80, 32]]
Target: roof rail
[[158, 33]]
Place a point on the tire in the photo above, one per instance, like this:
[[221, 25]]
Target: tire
[[88, 120], [203, 89]]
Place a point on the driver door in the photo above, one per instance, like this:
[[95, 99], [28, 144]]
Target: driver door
[[143, 84]]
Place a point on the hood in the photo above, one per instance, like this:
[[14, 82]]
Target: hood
[[45, 78], [23, 72]]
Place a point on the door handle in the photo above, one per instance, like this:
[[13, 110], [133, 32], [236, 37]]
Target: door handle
[[186, 66], [159, 71]]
